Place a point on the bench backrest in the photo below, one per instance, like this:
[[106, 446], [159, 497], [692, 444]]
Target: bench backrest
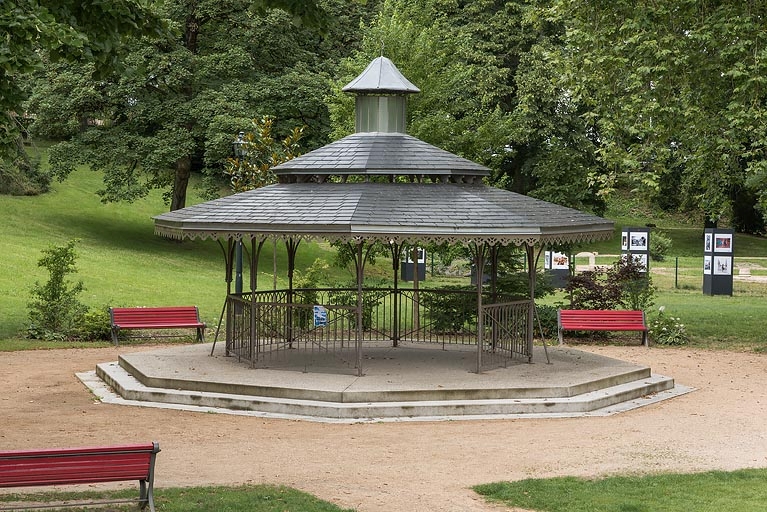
[[159, 315], [582, 318], [60, 466]]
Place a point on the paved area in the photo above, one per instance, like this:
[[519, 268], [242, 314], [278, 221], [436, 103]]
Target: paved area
[[409, 466], [403, 383]]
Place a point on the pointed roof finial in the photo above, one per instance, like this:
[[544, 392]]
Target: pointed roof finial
[[381, 77]]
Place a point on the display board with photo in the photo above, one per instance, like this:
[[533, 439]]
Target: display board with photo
[[718, 261], [722, 242], [638, 241], [722, 265], [707, 264], [560, 261], [640, 259]]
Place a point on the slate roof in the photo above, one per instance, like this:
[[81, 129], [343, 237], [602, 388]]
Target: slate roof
[[380, 153], [403, 212], [381, 77], [456, 209]]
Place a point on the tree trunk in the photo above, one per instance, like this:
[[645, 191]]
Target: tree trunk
[[184, 163], [180, 182]]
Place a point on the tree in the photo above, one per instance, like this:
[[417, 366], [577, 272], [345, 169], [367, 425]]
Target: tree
[[62, 29], [484, 70], [38, 30], [55, 308], [670, 87], [452, 111], [174, 110], [259, 152], [551, 152]]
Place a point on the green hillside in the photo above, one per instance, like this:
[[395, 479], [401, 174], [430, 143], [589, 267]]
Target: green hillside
[[120, 259]]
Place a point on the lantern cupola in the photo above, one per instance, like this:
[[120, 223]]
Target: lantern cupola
[[381, 97]]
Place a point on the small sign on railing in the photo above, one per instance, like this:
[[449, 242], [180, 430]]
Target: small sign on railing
[[320, 316]]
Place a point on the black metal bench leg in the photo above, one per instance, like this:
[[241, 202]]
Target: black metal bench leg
[[146, 495]]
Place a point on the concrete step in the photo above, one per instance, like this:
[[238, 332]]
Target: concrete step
[[113, 383]]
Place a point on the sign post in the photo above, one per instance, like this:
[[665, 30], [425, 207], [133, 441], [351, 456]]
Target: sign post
[[717, 261], [635, 243]]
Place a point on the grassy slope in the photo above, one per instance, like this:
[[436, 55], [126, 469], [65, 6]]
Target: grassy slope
[[120, 259], [685, 229]]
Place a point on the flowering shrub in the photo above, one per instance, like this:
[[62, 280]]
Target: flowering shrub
[[625, 285], [667, 330]]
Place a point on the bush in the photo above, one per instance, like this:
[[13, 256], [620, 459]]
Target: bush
[[305, 284], [660, 244], [635, 284], [449, 311], [667, 330], [547, 316], [348, 297], [95, 325], [55, 310], [625, 285], [22, 177]]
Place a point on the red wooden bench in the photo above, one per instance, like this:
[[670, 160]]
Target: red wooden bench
[[175, 317], [601, 320], [60, 466]]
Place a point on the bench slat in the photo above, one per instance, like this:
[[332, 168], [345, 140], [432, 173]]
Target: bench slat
[[75, 465], [602, 326], [54, 452], [104, 469], [158, 324]]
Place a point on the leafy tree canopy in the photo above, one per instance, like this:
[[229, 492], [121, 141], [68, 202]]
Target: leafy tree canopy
[[175, 108], [485, 71], [88, 30], [676, 92]]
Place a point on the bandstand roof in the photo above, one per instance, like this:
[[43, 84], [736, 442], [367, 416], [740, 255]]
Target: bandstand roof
[[380, 77], [380, 153], [400, 212], [335, 193]]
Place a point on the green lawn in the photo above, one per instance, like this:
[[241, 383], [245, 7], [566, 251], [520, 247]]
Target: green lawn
[[715, 491], [251, 498], [123, 263]]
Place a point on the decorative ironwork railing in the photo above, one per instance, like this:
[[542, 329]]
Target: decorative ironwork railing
[[266, 326], [505, 332]]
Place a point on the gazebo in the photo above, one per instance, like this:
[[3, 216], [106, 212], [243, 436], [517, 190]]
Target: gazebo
[[380, 186]]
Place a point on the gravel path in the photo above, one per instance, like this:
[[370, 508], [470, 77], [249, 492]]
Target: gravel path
[[402, 466]]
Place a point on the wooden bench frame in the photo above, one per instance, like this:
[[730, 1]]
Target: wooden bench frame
[[172, 317], [71, 466], [601, 320]]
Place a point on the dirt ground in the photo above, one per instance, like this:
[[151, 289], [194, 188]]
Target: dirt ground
[[412, 466]]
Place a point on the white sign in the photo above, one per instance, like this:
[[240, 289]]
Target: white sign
[[320, 316]]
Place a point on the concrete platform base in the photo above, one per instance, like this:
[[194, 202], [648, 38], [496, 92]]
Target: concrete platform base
[[403, 383]]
